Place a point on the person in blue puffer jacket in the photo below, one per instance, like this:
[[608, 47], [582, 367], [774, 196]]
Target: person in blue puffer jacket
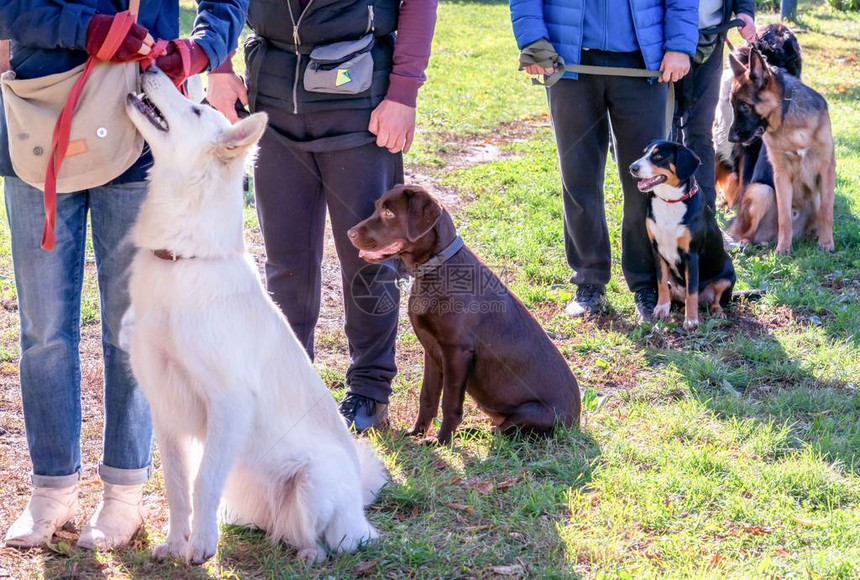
[[587, 109]]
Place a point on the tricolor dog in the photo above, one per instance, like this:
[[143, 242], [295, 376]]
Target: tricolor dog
[[694, 267], [217, 360]]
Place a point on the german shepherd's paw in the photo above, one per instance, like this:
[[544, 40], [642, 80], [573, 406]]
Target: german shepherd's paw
[[691, 323], [827, 246]]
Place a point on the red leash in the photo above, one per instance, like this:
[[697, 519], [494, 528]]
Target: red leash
[[62, 130]]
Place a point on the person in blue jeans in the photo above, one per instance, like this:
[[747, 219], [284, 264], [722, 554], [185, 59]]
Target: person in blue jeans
[[47, 37], [587, 109]]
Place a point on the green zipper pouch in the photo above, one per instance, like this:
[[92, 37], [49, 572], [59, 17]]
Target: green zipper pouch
[[344, 68]]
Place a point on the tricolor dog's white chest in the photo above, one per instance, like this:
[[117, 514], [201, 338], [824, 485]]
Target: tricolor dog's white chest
[[666, 228]]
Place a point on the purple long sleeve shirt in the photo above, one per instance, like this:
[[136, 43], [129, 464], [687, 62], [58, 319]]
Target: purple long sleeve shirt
[[415, 28]]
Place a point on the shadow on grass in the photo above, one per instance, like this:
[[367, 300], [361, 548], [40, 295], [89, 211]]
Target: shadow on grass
[[753, 377]]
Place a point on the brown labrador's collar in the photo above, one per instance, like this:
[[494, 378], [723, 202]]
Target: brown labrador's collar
[[694, 189], [169, 255], [438, 259]]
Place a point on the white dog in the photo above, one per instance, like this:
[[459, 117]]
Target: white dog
[[218, 361]]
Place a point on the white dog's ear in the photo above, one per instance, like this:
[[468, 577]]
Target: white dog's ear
[[235, 141]]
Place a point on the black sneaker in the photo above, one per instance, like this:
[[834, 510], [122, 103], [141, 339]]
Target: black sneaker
[[363, 413], [645, 300], [587, 301]]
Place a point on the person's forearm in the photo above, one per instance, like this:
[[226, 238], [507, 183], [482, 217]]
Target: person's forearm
[[46, 23], [416, 24], [218, 26]]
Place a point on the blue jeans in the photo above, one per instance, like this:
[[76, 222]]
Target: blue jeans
[[49, 305]]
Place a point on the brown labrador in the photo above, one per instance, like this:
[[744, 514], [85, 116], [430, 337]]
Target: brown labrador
[[477, 336]]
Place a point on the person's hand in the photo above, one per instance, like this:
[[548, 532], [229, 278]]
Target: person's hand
[[747, 31], [674, 66], [138, 42], [536, 69], [224, 90], [393, 124], [170, 63]]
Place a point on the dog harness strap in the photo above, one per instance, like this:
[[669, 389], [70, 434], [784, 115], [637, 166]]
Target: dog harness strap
[[694, 189], [437, 260], [786, 101], [120, 26]]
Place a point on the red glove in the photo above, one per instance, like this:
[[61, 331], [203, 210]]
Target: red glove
[[136, 43], [170, 63]]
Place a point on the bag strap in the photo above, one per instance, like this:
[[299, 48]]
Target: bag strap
[[120, 26], [62, 130]]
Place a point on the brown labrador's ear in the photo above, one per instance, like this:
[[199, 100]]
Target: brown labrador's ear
[[738, 68], [238, 139], [423, 212], [759, 71]]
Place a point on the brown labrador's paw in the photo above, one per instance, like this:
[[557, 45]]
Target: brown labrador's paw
[[416, 432], [430, 442], [784, 249], [827, 246]]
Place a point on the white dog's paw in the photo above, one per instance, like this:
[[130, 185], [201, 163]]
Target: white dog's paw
[[202, 545], [662, 310], [311, 556], [691, 323], [172, 548]]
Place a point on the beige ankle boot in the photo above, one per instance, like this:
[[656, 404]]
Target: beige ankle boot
[[116, 520], [49, 509]]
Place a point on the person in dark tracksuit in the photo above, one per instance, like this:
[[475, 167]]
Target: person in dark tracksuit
[[696, 95], [586, 109], [336, 151]]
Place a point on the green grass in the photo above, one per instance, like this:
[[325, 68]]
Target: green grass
[[731, 452]]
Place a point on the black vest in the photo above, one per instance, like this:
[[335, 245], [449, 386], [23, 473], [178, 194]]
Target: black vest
[[276, 52]]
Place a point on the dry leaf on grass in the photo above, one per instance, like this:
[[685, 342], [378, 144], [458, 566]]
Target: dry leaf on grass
[[364, 568], [716, 559], [461, 508], [508, 483], [755, 530], [510, 570]]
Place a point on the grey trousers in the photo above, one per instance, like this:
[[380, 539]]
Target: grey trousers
[[585, 113], [696, 98], [301, 169]]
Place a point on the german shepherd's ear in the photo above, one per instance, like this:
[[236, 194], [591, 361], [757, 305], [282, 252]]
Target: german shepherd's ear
[[738, 68], [686, 163], [759, 72], [423, 212], [238, 139]]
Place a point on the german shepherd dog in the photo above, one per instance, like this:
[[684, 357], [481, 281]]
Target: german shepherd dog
[[744, 173], [738, 166], [793, 121]]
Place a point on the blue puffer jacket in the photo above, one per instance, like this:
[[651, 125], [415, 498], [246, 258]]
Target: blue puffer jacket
[[661, 26]]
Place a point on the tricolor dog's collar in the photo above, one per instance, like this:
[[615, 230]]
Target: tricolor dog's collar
[[168, 255], [438, 259], [694, 189]]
